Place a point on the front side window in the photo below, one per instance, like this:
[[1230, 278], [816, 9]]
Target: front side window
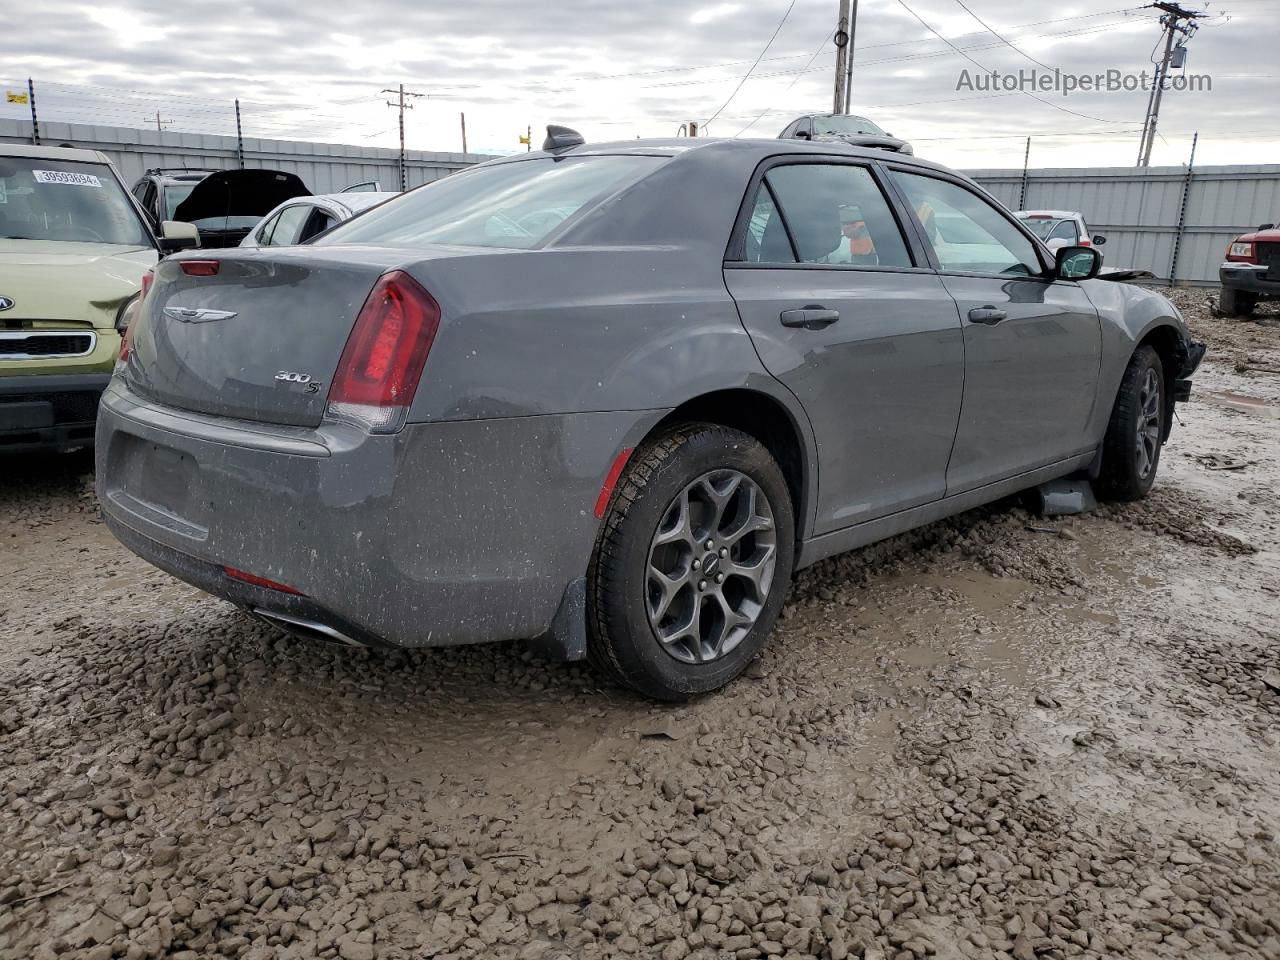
[[836, 214], [966, 232], [515, 204], [66, 201]]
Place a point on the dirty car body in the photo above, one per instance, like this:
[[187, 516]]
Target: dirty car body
[[655, 285]]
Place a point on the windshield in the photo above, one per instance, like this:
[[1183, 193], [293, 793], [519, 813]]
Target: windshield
[[506, 205], [1042, 227], [67, 201], [175, 193], [844, 127]]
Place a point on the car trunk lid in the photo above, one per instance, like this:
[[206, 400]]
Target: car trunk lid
[[258, 340]]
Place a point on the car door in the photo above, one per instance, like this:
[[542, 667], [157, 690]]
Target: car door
[[1032, 343], [845, 313]]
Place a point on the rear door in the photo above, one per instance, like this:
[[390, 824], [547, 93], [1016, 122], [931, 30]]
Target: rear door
[[1032, 343], [850, 318]]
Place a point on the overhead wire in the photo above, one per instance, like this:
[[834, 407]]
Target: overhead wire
[[745, 76]]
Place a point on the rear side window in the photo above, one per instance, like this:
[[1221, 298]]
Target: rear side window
[[835, 213], [505, 205]]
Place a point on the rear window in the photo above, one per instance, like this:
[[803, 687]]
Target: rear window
[[506, 205]]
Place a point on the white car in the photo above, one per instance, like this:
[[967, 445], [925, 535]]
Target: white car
[[300, 219], [1060, 228]]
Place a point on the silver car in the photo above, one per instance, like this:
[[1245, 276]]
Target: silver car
[[610, 397], [303, 218]]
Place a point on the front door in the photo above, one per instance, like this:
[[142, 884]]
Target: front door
[[1032, 344], [867, 338]]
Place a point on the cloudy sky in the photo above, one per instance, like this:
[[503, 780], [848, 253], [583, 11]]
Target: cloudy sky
[[618, 70]]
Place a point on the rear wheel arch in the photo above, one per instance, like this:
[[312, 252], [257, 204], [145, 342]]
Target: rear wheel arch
[[779, 429]]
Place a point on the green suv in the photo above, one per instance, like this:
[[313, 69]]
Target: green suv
[[73, 250]]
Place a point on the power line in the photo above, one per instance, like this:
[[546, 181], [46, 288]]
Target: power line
[[1049, 103], [753, 66], [989, 30], [821, 47]]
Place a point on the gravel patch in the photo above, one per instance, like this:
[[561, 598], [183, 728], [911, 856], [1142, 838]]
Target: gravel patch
[[999, 736]]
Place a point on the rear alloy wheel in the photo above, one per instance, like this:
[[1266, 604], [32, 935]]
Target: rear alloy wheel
[[692, 562], [1135, 435]]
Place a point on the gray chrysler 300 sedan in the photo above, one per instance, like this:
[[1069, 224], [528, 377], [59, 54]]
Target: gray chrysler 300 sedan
[[612, 396]]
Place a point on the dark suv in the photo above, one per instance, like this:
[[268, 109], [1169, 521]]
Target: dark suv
[[161, 189]]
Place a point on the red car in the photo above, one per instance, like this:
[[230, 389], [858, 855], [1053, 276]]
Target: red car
[[1251, 272]]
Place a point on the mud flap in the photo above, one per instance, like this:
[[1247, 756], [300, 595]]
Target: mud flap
[[566, 639]]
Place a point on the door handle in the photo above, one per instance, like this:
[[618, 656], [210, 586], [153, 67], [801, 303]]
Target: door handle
[[988, 315], [814, 316]]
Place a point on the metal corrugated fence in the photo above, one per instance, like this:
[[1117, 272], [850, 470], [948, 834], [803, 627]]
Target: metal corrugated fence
[[1138, 210], [323, 167]]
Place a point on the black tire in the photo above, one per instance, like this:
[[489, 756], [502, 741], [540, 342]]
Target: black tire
[[624, 643], [1236, 303], [1128, 463]]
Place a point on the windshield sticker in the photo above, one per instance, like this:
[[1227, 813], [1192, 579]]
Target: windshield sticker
[[74, 179]]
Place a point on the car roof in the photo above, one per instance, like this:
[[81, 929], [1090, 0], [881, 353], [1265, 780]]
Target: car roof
[[706, 149], [53, 153], [1060, 214]]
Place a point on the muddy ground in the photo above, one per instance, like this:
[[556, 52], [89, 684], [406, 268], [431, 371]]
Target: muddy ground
[[998, 736]]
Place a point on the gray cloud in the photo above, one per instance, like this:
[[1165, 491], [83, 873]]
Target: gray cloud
[[314, 71]]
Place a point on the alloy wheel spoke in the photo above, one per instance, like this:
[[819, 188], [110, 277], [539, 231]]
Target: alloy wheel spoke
[[680, 531], [721, 498], [669, 588]]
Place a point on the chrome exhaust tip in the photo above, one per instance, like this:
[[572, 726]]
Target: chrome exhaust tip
[[306, 629]]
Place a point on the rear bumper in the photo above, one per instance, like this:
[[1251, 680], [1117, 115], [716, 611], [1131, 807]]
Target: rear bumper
[[49, 412], [1250, 277], [446, 533]]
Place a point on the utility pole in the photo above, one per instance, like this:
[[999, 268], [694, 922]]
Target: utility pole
[[404, 181], [848, 70], [842, 57], [463, 117], [160, 123], [528, 138], [1172, 23]]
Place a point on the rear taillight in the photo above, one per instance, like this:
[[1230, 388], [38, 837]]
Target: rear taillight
[[383, 359], [199, 268], [124, 322], [1084, 242]]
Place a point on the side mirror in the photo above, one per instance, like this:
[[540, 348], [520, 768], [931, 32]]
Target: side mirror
[[802, 135], [1099, 240], [1266, 226], [1078, 263], [176, 235]]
